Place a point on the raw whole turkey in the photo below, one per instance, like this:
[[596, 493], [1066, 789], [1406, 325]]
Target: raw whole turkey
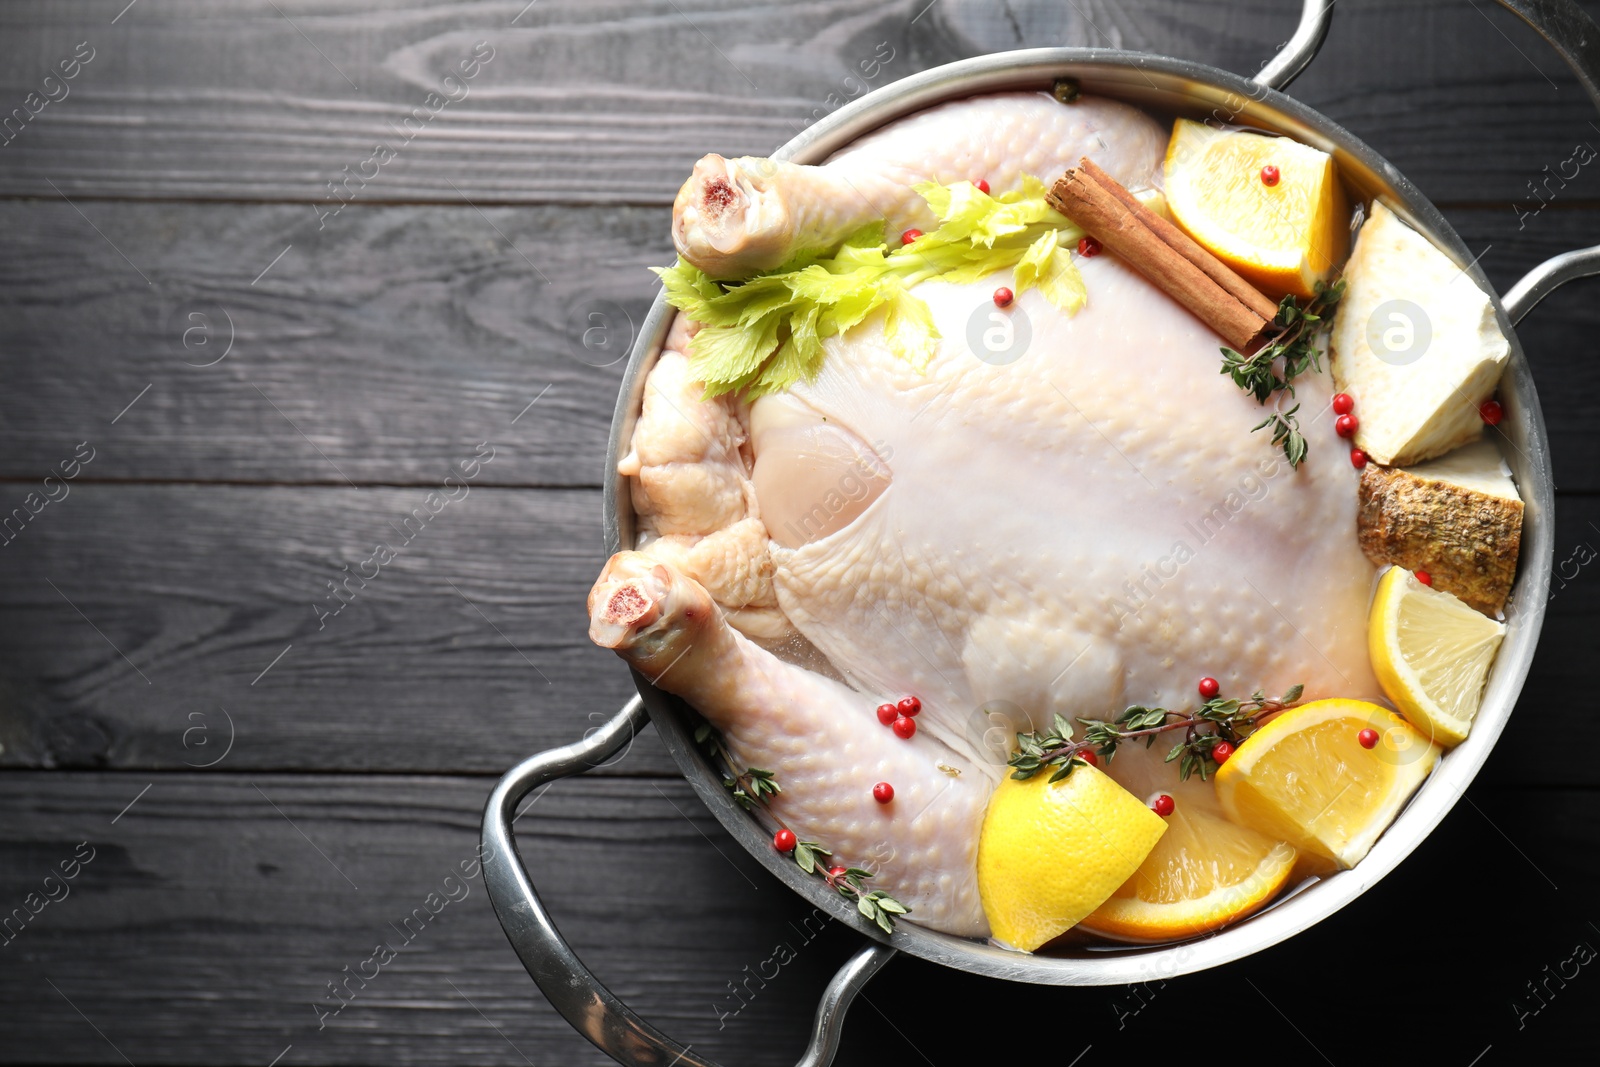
[[1069, 516]]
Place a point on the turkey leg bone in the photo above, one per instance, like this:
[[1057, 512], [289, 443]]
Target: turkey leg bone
[[736, 217]]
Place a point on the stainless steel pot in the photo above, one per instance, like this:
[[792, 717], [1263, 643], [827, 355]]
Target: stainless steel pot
[[1166, 85]]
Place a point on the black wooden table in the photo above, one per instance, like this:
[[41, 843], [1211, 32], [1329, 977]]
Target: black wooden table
[[243, 345]]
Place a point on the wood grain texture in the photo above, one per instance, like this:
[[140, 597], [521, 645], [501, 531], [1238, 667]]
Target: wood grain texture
[[221, 907], [380, 350], [465, 653], [218, 908], [609, 102], [387, 346]]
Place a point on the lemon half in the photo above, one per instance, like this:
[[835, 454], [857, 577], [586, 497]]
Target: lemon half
[[1051, 853]]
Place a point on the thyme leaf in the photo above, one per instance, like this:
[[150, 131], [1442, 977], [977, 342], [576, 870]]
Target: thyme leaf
[[752, 787], [1286, 434]]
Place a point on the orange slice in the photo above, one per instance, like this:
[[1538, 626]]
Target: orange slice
[[1204, 872]]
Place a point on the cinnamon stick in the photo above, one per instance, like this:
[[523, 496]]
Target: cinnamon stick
[[1184, 245], [1125, 231]]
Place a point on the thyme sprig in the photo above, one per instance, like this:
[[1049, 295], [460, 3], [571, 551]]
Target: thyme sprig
[[1279, 362], [753, 787], [708, 738], [1286, 433], [874, 904], [879, 907], [1215, 721]]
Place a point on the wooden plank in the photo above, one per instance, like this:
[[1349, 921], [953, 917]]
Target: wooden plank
[[610, 102], [380, 351], [135, 615], [385, 349], [217, 909], [203, 587]]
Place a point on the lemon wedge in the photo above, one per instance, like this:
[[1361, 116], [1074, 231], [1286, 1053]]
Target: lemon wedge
[[1286, 236], [1306, 778], [1431, 653], [1204, 873], [1052, 852]]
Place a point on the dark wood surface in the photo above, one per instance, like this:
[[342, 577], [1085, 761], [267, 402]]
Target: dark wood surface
[[169, 602]]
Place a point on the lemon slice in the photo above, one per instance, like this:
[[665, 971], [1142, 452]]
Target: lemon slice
[[1284, 237], [1204, 873], [1306, 778], [1050, 853], [1431, 653]]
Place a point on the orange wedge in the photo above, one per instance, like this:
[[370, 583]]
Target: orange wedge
[[1204, 872], [1306, 778], [1285, 236]]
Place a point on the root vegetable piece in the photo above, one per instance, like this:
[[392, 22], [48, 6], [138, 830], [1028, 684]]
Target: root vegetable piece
[[1458, 518], [1415, 342]]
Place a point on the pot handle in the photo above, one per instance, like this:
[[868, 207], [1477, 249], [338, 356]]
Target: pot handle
[[1572, 33], [592, 1009], [1568, 29], [1301, 49]]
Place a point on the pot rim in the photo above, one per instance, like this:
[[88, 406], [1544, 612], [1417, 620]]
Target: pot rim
[[1166, 86]]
